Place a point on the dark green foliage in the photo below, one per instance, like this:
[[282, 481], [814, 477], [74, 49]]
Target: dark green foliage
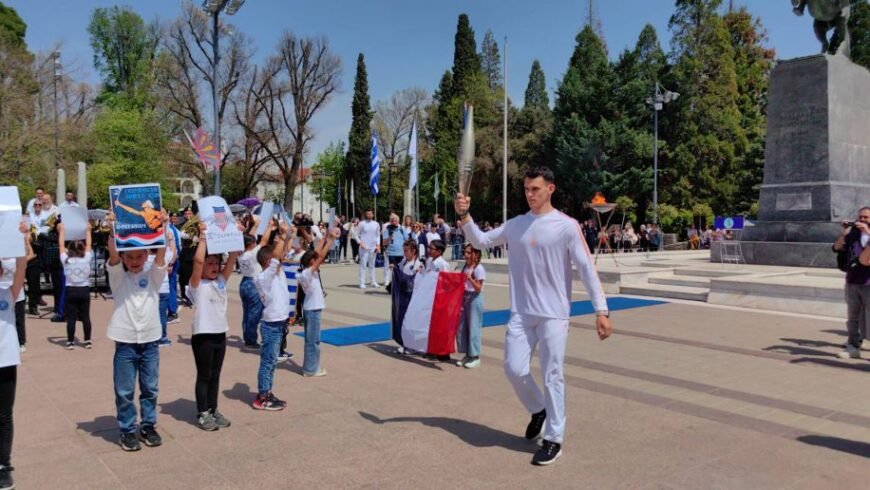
[[859, 29], [12, 27], [358, 161], [466, 62], [536, 90]]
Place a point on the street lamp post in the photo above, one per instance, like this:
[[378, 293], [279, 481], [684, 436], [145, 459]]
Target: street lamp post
[[214, 8], [57, 74], [657, 101]]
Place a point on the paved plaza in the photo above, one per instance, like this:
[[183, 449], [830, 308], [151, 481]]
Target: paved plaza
[[684, 395]]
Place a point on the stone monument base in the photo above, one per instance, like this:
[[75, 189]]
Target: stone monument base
[[790, 254]]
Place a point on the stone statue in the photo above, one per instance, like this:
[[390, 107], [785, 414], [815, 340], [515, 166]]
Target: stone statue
[[827, 15]]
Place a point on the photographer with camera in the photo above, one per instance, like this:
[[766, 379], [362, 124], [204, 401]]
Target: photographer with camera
[[393, 240], [853, 257]]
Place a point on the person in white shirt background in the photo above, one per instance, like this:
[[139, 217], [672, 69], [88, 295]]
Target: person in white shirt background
[[353, 237], [10, 357], [135, 329], [207, 290], [77, 260], [315, 302], [369, 232], [38, 199], [70, 200], [542, 246]]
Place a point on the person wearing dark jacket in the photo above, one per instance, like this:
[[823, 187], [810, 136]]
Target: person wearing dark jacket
[[853, 247]]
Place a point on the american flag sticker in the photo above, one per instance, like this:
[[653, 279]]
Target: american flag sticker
[[220, 217]]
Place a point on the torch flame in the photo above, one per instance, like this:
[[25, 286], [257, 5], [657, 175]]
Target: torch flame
[[599, 198]]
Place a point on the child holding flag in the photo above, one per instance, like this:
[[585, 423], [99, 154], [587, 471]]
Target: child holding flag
[[471, 321]]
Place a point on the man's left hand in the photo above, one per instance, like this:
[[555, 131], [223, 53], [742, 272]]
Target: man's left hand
[[602, 324]]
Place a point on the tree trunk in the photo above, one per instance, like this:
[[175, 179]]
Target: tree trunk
[[289, 190]]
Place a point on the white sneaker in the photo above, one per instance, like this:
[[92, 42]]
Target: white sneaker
[[400, 350], [473, 363], [375, 285], [320, 373], [851, 352], [362, 286], [22, 349]]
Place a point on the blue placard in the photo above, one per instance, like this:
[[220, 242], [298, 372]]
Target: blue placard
[[729, 222]]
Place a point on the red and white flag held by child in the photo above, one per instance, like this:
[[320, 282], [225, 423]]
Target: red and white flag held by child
[[433, 314]]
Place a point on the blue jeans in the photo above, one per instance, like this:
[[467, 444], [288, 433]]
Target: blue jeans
[[271, 334], [471, 321], [311, 363], [164, 311], [457, 250], [132, 360], [173, 290], [252, 310]]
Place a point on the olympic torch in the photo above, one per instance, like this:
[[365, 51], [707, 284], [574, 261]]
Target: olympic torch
[[466, 150]]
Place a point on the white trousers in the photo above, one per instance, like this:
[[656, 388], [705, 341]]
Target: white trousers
[[524, 334], [366, 264]]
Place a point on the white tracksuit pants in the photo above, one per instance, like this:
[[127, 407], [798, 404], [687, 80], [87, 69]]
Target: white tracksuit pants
[[524, 333], [366, 264]]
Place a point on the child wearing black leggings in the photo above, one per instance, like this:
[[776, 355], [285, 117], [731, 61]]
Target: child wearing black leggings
[[208, 292], [77, 259]]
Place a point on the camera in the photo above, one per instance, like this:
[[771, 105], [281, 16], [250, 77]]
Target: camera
[[391, 228], [303, 224], [848, 224]]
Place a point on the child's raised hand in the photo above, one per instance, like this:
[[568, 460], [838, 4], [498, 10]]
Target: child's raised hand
[[22, 227], [110, 217]]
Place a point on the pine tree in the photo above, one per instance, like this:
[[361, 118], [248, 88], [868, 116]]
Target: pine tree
[[709, 144], [490, 61], [466, 62], [582, 115], [753, 63], [536, 90], [358, 159], [859, 29]]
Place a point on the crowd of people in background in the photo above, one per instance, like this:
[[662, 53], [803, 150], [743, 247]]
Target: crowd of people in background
[[649, 237]]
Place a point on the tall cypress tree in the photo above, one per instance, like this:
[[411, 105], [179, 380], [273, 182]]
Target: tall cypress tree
[[753, 62], [536, 91], [466, 62], [490, 61], [358, 159], [708, 140], [581, 116]]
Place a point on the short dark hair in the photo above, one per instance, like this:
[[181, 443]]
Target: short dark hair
[[544, 172], [412, 244], [264, 255], [864, 208], [438, 245], [306, 259]]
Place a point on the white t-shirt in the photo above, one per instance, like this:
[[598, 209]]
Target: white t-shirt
[[479, 274], [437, 265], [168, 258], [77, 270], [541, 250], [9, 348], [430, 236], [272, 286], [135, 318], [210, 306], [369, 234], [8, 277], [409, 268], [310, 282], [248, 263]]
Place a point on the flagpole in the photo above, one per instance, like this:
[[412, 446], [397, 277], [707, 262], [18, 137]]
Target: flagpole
[[504, 163]]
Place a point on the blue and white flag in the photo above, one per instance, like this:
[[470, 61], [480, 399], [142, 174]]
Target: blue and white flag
[[376, 165], [412, 154]]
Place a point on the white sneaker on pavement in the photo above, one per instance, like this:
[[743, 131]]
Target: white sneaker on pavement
[[376, 285], [362, 286], [851, 352]]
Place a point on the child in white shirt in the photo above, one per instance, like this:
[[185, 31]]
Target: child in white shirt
[[135, 329], [436, 262], [208, 291], [252, 307], [309, 280], [471, 318], [272, 285], [77, 260]]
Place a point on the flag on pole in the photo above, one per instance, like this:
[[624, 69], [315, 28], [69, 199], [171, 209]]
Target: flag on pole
[[205, 149], [376, 165], [351, 191], [424, 331], [412, 153], [437, 186]]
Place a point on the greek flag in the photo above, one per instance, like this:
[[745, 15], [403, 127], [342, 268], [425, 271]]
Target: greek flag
[[376, 165]]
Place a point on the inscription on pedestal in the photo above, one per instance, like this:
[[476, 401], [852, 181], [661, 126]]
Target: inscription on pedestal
[[794, 201]]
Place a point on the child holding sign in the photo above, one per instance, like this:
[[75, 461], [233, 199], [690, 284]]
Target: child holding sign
[[76, 260], [314, 303], [135, 329], [208, 292]]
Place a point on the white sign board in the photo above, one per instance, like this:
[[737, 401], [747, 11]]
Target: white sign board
[[11, 239], [266, 210], [75, 222], [222, 233]]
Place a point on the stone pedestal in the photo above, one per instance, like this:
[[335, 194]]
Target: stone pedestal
[[817, 160]]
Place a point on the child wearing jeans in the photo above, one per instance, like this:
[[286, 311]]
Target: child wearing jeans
[[10, 355], [309, 280], [252, 306], [272, 285], [207, 290], [76, 259], [471, 318], [135, 329]]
